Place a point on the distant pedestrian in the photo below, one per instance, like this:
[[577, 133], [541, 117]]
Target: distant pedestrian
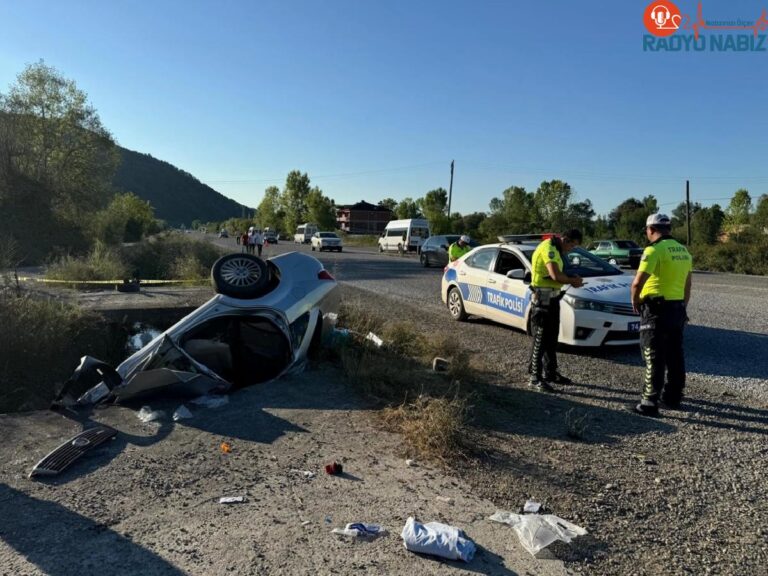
[[243, 241], [548, 277], [258, 239], [660, 293]]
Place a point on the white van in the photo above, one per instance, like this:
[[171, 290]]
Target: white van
[[405, 235], [304, 233]]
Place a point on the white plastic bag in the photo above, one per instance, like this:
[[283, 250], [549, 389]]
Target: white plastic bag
[[537, 531], [438, 540]]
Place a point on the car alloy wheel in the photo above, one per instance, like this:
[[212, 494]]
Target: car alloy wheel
[[456, 305], [424, 259], [240, 275], [613, 262]]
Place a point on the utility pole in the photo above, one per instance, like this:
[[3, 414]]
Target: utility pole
[[688, 208], [450, 191]]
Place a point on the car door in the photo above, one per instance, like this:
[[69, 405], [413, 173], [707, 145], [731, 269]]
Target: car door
[[473, 278], [507, 299]]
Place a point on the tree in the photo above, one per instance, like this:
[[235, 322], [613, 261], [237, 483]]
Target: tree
[[321, 210], [128, 218], [627, 220], [580, 215], [513, 213], [408, 208], [706, 224], [269, 213], [59, 140], [551, 202], [433, 206], [760, 218], [738, 212], [390, 203], [293, 200]]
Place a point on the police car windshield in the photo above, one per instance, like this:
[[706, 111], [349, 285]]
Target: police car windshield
[[579, 262]]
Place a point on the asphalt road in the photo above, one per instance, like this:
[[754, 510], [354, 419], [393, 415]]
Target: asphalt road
[[726, 340]]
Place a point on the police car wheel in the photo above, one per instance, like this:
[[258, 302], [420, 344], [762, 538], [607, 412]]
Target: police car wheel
[[613, 262], [456, 305]]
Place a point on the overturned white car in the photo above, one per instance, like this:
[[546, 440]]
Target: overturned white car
[[265, 319]]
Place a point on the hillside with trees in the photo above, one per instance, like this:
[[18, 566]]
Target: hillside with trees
[[176, 196]]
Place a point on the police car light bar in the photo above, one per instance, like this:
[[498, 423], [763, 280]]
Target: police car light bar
[[520, 238]]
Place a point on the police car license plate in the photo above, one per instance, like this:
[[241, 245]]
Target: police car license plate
[[634, 327]]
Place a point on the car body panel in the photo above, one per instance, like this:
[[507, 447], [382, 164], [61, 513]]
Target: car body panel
[[599, 313]]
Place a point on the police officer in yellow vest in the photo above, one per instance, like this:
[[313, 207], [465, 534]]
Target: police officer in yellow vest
[[459, 248], [660, 293], [547, 278]]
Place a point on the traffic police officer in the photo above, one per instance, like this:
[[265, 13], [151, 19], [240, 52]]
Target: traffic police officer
[[660, 293], [547, 278], [459, 248]]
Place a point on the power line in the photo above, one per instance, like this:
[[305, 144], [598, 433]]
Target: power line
[[327, 176]]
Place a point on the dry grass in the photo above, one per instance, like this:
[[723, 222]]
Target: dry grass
[[431, 427], [429, 409], [40, 345]]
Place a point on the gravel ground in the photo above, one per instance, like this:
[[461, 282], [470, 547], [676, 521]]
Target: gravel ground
[[683, 494]]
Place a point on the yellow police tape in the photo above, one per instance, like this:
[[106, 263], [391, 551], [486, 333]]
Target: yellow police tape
[[97, 282]]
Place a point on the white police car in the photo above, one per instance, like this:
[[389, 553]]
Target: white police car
[[491, 282]]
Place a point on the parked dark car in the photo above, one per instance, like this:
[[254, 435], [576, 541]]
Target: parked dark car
[[617, 252], [434, 251], [270, 237]]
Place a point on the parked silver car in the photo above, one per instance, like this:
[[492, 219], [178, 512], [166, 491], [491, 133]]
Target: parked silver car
[[263, 322]]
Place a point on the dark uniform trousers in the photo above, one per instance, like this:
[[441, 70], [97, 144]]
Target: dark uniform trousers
[[545, 325], [661, 341]]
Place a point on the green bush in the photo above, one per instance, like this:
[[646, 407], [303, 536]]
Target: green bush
[[738, 257], [102, 263], [171, 257]]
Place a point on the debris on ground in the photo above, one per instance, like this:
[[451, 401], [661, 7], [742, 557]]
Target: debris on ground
[[531, 506], [226, 447], [437, 539], [231, 499], [181, 413], [444, 499], [360, 530], [537, 531], [146, 414], [306, 473], [410, 463], [371, 337], [334, 469], [440, 364]]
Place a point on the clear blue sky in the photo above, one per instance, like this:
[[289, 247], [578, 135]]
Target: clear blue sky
[[374, 98]]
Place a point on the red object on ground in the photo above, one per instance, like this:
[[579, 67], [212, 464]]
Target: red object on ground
[[333, 469]]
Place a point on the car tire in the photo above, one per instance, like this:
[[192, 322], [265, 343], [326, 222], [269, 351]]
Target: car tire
[[456, 305], [313, 247], [339, 249], [613, 262], [381, 249], [424, 259], [240, 276]]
